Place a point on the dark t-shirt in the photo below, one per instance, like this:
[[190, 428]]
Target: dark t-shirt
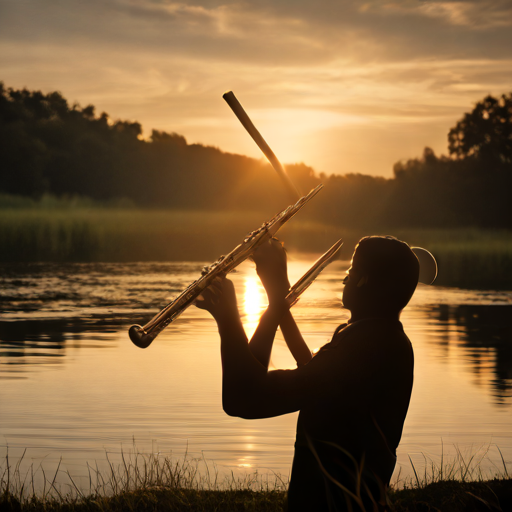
[[353, 397]]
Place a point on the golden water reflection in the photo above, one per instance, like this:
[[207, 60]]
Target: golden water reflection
[[254, 302], [73, 385]]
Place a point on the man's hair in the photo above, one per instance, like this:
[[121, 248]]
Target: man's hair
[[391, 266]]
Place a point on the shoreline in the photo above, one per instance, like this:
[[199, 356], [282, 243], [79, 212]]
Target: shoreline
[[467, 258], [447, 496]]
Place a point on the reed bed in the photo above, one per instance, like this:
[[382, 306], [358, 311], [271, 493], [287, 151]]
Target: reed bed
[[156, 483], [468, 258], [119, 234], [79, 230]]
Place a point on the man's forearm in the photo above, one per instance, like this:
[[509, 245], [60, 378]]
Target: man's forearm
[[263, 338], [241, 372], [294, 340], [239, 368], [233, 345]]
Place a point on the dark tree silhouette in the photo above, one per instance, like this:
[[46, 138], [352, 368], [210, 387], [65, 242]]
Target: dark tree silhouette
[[485, 132], [48, 146]]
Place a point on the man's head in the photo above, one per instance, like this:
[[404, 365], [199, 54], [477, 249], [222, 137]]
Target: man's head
[[383, 275]]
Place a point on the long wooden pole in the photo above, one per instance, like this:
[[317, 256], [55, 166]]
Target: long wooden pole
[[239, 112]]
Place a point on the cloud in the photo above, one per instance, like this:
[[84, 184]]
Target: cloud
[[286, 32], [474, 14], [320, 67]]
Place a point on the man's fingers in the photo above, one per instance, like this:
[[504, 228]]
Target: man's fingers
[[211, 295], [207, 295], [200, 302], [216, 285], [270, 252]]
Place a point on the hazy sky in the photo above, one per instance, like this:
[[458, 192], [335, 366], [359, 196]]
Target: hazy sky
[[342, 85]]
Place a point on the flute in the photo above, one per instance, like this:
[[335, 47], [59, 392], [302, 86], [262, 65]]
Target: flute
[[143, 336]]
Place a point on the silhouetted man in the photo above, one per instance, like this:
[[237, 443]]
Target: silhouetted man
[[353, 395]]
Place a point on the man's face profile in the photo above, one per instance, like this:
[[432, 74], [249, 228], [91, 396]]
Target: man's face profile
[[355, 279]]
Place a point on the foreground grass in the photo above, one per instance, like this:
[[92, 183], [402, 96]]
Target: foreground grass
[[493, 495], [139, 483], [157, 500], [153, 483], [468, 258]]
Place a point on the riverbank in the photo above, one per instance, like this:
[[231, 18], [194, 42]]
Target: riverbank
[[158, 483], [468, 258], [445, 496]]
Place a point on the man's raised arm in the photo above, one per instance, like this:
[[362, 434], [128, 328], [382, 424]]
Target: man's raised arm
[[247, 388], [271, 266]]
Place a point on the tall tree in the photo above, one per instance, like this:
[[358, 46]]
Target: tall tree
[[485, 132]]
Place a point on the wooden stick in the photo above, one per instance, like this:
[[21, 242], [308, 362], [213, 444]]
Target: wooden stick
[[239, 112]]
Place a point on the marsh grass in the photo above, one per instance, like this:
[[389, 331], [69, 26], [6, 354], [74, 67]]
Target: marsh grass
[[64, 202], [77, 229], [139, 482], [468, 258], [119, 234], [463, 467], [457, 483], [154, 483]]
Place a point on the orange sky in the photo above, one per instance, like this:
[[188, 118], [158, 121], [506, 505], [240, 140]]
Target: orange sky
[[342, 85]]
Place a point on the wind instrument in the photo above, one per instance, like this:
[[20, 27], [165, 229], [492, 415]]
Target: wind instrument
[[305, 281], [242, 116], [143, 336]]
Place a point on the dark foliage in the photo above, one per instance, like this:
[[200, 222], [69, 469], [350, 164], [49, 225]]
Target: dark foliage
[[440, 191], [48, 146], [485, 132]]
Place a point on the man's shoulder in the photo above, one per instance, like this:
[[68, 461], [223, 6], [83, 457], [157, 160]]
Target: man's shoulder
[[370, 326], [373, 334]]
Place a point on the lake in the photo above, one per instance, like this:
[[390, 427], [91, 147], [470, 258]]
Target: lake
[[73, 388]]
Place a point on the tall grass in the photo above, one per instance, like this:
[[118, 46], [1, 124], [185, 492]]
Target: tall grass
[[468, 258], [77, 229], [458, 484], [153, 482], [140, 482], [119, 234], [462, 467], [65, 202]]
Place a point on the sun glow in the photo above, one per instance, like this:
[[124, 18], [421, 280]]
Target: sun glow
[[253, 304]]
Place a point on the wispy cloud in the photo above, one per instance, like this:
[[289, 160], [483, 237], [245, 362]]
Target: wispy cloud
[[321, 78]]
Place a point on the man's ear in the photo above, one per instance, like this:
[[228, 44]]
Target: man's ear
[[362, 281]]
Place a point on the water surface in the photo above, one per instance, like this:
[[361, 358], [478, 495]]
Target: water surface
[[73, 387]]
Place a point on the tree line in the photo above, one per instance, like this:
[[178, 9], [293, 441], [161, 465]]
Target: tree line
[[50, 146]]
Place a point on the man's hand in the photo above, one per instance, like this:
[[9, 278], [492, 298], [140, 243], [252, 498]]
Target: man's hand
[[219, 299], [270, 259]]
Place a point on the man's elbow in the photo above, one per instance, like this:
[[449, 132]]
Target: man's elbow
[[230, 408], [235, 409], [238, 399], [245, 401], [245, 408]]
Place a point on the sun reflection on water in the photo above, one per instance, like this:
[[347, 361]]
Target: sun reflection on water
[[253, 304]]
